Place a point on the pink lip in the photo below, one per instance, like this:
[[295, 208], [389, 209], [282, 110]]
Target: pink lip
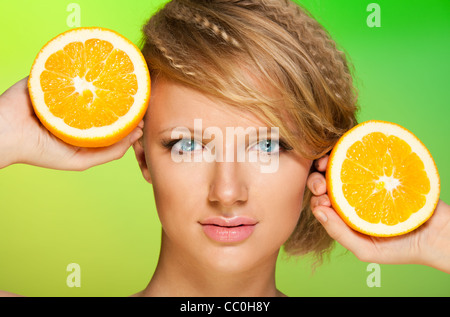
[[234, 229]]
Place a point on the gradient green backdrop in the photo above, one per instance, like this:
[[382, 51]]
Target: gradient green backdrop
[[104, 218]]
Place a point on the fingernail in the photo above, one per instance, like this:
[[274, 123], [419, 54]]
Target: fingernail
[[320, 216], [317, 185], [325, 201]]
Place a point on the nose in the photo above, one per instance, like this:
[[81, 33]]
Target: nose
[[228, 186]]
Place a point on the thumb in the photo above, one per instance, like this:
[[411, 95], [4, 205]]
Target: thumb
[[85, 158]]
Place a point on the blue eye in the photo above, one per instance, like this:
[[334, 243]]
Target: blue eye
[[269, 146], [187, 145]]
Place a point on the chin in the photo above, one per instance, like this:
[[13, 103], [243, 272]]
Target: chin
[[238, 258]]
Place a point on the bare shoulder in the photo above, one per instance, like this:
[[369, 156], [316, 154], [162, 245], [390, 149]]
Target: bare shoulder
[[8, 294]]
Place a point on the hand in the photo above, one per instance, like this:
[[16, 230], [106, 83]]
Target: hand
[[428, 245], [23, 139]]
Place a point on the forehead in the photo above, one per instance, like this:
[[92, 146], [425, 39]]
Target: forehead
[[173, 104]]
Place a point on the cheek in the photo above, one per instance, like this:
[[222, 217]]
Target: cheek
[[175, 198], [283, 200]]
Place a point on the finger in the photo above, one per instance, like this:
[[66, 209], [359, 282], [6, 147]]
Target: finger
[[136, 133], [317, 184], [359, 244], [321, 163], [89, 157], [322, 200]]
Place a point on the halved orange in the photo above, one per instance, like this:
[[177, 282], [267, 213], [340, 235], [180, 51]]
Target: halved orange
[[382, 180], [89, 86]]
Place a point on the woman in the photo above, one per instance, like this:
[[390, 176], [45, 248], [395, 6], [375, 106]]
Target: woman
[[247, 64]]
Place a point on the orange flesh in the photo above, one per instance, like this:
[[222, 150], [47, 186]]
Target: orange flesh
[[383, 179], [89, 84]]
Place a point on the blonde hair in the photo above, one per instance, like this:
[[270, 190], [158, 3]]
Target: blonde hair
[[269, 57]]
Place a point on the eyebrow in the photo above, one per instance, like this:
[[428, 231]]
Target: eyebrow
[[201, 132]]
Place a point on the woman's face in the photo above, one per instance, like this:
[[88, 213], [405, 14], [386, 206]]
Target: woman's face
[[224, 214]]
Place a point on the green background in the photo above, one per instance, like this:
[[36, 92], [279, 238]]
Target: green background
[[104, 218]]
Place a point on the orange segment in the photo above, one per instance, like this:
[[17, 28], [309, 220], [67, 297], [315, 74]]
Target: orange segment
[[354, 173], [76, 53], [120, 102], [382, 180], [96, 53], [357, 194], [369, 152], [61, 63], [93, 79], [59, 100], [51, 81], [412, 174]]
